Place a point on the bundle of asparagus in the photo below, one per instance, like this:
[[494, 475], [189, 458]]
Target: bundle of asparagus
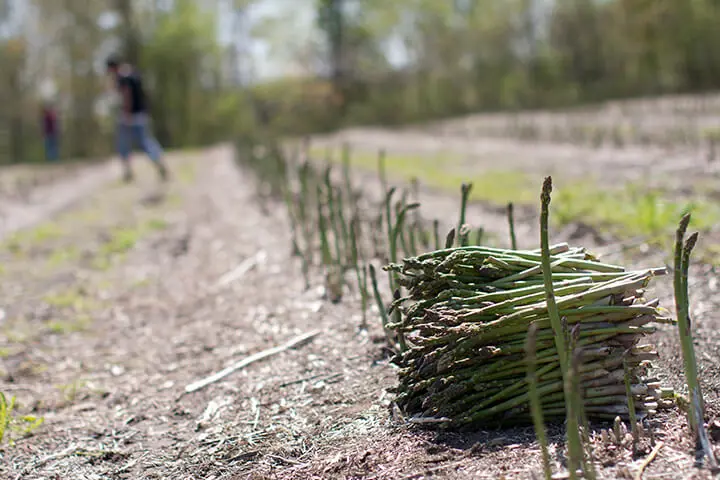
[[466, 321]]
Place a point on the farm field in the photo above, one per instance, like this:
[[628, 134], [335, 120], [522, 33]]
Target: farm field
[[117, 297]]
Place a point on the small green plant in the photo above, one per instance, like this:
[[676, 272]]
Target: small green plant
[[121, 240], [74, 298], [22, 241], [141, 283], [43, 233], [71, 390], [12, 424], [63, 255], [156, 224], [77, 324], [5, 413], [711, 134]]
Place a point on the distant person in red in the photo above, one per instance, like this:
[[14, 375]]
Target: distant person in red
[[50, 133]]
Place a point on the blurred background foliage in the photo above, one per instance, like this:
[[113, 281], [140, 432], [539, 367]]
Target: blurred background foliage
[[216, 69]]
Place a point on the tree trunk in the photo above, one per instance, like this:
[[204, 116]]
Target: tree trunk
[[131, 44]]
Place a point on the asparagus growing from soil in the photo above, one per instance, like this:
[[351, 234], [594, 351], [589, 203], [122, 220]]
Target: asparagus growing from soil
[[535, 403]]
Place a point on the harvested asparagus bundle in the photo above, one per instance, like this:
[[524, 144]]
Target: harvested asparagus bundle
[[466, 319]]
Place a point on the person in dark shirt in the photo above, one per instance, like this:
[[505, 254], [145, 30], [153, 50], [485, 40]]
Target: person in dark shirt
[[50, 133], [133, 124]]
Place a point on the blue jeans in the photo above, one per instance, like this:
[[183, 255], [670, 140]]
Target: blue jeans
[[52, 148], [137, 132]]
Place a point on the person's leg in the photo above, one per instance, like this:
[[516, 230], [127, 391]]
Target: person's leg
[[53, 148], [151, 147], [48, 149], [124, 148]]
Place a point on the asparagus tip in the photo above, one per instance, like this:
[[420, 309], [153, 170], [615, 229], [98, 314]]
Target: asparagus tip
[[546, 190], [450, 239], [684, 222], [690, 243]]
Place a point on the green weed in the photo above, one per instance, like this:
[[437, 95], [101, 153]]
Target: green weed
[[11, 423], [63, 255], [43, 233], [711, 134], [77, 324], [75, 299], [629, 211], [156, 224], [23, 240], [89, 215], [5, 412], [78, 303], [25, 425], [101, 263], [143, 282], [16, 336], [122, 240], [70, 391]]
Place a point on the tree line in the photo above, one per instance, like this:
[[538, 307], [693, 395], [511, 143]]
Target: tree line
[[365, 62], [481, 55], [63, 44]]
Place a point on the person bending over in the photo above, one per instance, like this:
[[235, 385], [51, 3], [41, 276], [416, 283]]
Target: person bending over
[[133, 124]]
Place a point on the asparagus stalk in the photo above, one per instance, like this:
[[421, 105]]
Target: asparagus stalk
[[511, 222], [535, 403]]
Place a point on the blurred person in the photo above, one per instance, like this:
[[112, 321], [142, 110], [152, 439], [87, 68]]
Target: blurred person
[[51, 133], [133, 122]]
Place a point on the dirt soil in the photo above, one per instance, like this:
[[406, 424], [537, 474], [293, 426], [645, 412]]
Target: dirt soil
[[115, 302], [28, 194]]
